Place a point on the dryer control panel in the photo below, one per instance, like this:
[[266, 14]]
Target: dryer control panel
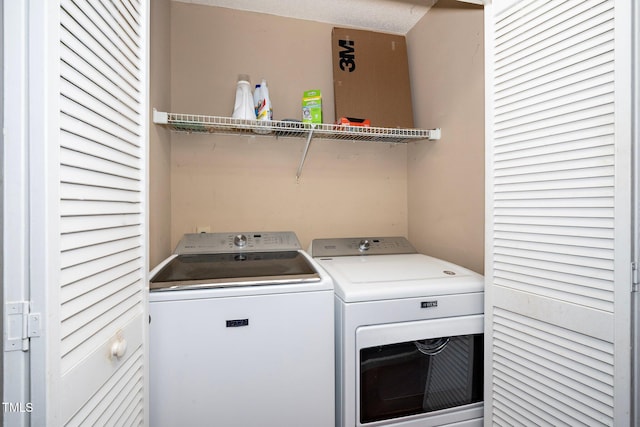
[[353, 246]]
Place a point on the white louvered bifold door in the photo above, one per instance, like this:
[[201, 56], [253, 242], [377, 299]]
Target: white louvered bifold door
[[102, 213], [558, 268]]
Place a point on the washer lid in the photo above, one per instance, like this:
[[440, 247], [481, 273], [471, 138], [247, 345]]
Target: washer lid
[[380, 277], [194, 271]]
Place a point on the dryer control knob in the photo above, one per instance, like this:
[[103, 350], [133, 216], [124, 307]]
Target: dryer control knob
[[240, 240], [364, 245]]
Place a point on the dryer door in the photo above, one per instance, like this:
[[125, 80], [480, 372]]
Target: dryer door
[[428, 371]]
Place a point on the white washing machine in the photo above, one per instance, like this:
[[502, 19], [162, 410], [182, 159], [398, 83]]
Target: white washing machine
[[241, 334], [409, 335]]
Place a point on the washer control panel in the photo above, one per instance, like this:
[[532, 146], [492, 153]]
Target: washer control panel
[[211, 243], [352, 246]]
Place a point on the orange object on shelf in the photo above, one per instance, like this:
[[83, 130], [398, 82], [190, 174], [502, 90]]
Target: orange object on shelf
[[351, 121]]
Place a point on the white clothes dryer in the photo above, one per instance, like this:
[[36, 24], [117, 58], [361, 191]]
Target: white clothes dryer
[[409, 335]]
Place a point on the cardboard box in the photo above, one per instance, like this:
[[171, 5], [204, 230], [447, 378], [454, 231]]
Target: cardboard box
[[371, 77], [312, 106]]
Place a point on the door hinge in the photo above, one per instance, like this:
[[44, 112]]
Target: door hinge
[[635, 276], [20, 326]]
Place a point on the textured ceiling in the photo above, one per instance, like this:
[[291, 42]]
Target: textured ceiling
[[390, 16]]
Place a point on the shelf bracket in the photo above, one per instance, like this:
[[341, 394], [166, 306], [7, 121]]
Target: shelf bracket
[[306, 150], [435, 134], [160, 117]]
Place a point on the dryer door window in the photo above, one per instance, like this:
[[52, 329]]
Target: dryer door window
[[420, 376], [409, 371]]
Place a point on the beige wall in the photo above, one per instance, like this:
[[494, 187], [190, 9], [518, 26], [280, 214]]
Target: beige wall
[[432, 192], [159, 138], [446, 178], [232, 183]]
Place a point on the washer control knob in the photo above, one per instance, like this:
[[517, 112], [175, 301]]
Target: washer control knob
[[240, 240], [365, 244]]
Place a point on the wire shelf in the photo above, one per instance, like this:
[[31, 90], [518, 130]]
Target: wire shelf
[[192, 123]]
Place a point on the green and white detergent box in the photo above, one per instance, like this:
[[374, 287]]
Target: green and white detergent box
[[312, 106]]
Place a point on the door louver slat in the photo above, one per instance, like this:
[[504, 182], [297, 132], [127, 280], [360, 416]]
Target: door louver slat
[[90, 35], [587, 369]]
